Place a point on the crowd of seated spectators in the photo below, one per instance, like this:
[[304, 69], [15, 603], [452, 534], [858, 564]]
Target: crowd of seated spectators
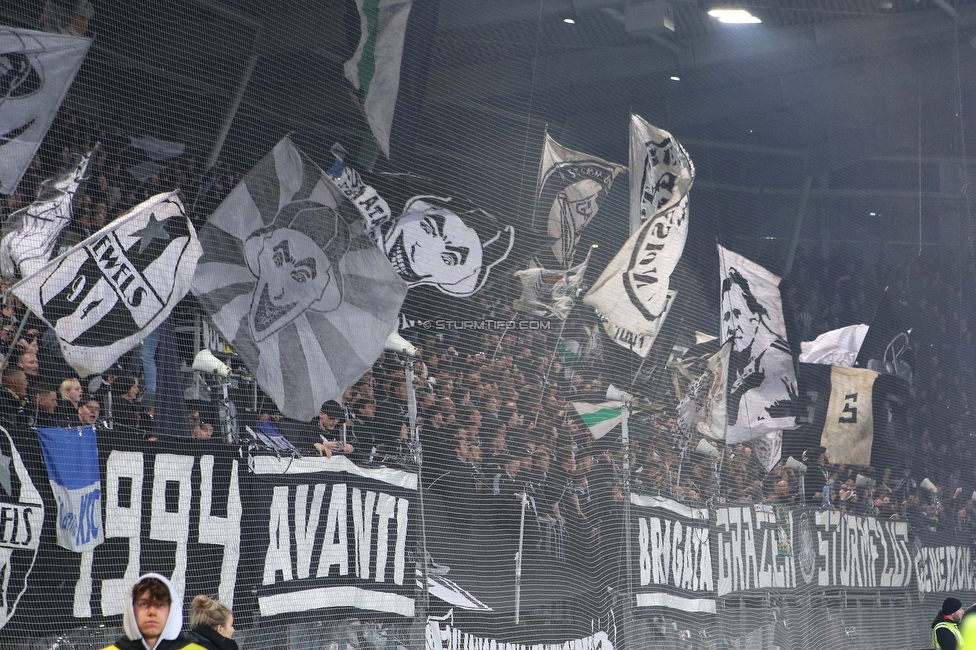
[[496, 427]]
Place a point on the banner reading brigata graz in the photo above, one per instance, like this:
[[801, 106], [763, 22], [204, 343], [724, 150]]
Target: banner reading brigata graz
[[689, 558], [304, 535]]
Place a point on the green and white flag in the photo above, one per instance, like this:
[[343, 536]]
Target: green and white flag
[[374, 69], [599, 418]]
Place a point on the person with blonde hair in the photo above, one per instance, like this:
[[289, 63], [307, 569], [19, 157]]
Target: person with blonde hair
[[212, 624]]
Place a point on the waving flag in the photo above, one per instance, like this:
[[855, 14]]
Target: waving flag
[[31, 233], [601, 418], [374, 70], [290, 278], [571, 186], [106, 294], [549, 292], [71, 458], [633, 294], [762, 380], [36, 70]]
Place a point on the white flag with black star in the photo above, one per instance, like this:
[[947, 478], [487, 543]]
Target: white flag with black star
[[105, 295], [36, 70]]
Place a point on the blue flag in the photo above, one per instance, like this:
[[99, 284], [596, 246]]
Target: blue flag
[[71, 458]]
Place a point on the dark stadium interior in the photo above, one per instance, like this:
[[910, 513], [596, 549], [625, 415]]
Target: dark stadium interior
[[833, 144]]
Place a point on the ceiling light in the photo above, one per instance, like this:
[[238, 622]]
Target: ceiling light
[[737, 16], [675, 77], [569, 21]]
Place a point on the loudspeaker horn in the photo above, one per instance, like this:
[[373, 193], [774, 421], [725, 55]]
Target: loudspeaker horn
[[205, 361], [796, 465], [614, 394], [706, 449], [398, 344], [864, 481], [928, 486]]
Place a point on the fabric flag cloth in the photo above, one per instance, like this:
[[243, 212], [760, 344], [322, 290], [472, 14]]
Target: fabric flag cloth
[[36, 70], [105, 295], [171, 415], [291, 280], [571, 186], [30, 234], [71, 458], [153, 155], [710, 413], [599, 418], [762, 379], [632, 296], [374, 70], [768, 449], [887, 345], [834, 348], [848, 432], [549, 292]]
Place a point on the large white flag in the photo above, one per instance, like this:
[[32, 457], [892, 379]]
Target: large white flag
[[549, 292], [571, 186], [762, 380], [633, 294], [106, 294], [36, 70], [293, 282], [30, 234], [374, 69]]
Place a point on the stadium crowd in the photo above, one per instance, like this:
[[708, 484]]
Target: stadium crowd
[[496, 424]]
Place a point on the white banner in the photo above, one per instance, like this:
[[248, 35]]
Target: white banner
[[848, 431], [762, 380]]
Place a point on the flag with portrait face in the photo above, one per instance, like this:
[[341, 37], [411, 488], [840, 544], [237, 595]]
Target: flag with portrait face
[[762, 379], [291, 280], [36, 70]]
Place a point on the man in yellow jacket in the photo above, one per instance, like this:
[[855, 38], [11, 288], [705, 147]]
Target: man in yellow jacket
[[153, 618]]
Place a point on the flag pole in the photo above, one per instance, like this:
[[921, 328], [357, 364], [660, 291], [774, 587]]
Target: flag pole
[[518, 559], [502, 338]]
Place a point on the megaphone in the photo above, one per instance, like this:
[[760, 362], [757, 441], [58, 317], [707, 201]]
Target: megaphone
[[706, 449], [864, 481], [796, 466], [928, 486], [614, 394], [205, 361], [398, 344], [974, 495]]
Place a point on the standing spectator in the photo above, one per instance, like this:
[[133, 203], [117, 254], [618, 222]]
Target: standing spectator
[[212, 624]]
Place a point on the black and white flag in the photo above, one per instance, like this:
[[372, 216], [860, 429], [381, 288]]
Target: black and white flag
[[633, 294], [147, 156], [36, 70], [547, 292], [294, 284], [439, 241], [762, 379], [106, 294], [30, 234], [571, 186]]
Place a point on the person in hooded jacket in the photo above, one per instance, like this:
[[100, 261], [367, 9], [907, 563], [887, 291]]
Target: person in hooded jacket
[[212, 624], [153, 618]]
